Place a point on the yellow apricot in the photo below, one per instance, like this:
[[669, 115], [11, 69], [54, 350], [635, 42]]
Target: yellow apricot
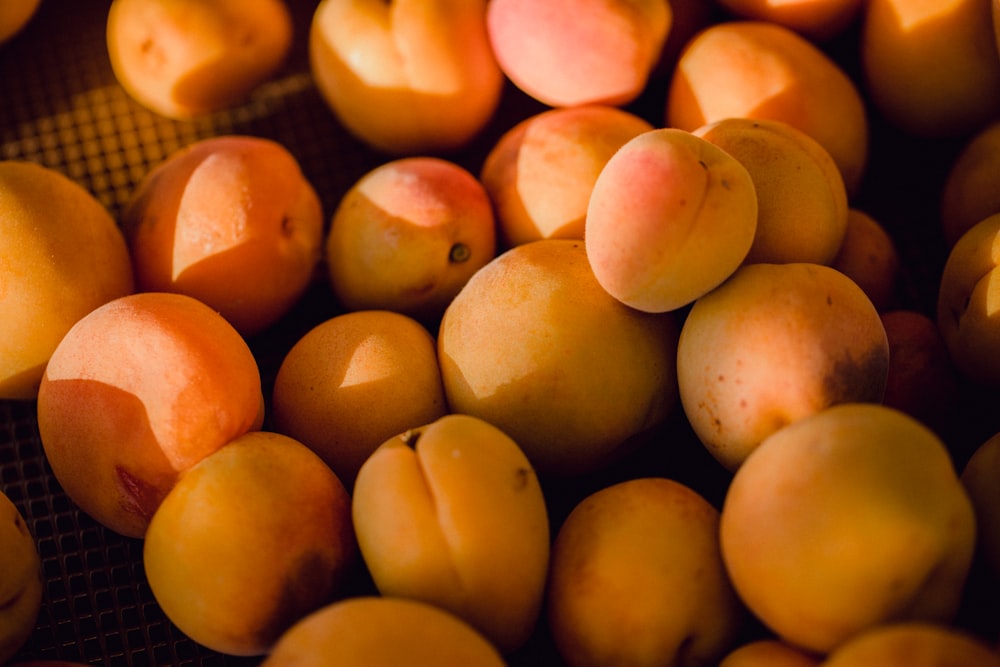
[[769, 653], [968, 308], [541, 172], [354, 381], [868, 255], [670, 217], [906, 644], [772, 345], [819, 20], [251, 538], [640, 559], [844, 521], [931, 68], [185, 58], [408, 76], [137, 392], [372, 631], [801, 200], [21, 583], [62, 256], [970, 191], [762, 70], [452, 513], [534, 345], [14, 15], [574, 52]]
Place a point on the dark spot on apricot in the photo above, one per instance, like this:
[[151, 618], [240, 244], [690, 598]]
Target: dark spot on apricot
[[459, 253], [521, 477], [862, 380], [703, 165]]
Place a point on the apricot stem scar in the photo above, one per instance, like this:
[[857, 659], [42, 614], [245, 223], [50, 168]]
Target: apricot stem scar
[[410, 438], [459, 253]]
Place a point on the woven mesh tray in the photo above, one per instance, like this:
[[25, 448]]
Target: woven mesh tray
[[61, 106]]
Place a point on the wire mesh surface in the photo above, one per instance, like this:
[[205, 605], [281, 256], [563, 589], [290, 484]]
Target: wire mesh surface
[[61, 106]]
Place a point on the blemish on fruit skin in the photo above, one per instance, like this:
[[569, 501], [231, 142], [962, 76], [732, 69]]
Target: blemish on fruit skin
[[521, 477], [459, 253], [858, 379], [138, 497]]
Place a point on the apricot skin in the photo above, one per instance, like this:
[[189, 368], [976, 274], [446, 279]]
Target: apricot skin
[[437, 508], [251, 538], [186, 58], [541, 172], [21, 580], [409, 76], [574, 52], [47, 284], [641, 559], [846, 520], [757, 69], [774, 344], [801, 199], [232, 221], [354, 381], [969, 193], [671, 216], [138, 391], [371, 631], [536, 346]]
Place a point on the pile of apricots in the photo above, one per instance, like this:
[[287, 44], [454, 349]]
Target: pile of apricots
[[599, 278]]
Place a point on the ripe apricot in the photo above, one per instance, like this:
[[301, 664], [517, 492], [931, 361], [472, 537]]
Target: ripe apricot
[[186, 58], [137, 392], [407, 235], [62, 256], [541, 172], [382, 632], [14, 15], [773, 344], [670, 217], [970, 193], [931, 68], [759, 69], [354, 381], [534, 345], [251, 538], [438, 507], [769, 652], [801, 200], [20, 580], [640, 559], [904, 644], [406, 77], [868, 255], [818, 20], [232, 221], [846, 520], [574, 52]]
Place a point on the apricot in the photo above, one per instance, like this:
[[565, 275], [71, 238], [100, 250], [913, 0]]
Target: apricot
[[534, 345], [904, 644], [187, 58], [670, 217], [931, 68], [762, 70], [573, 52], [540, 173], [20, 580], [137, 392], [968, 306], [846, 520], [452, 513], [774, 344], [769, 652], [14, 16], [818, 20], [354, 381], [251, 539], [868, 255], [979, 475], [48, 282], [922, 381], [801, 200], [970, 193], [406, 76], [640, 560], [232, 221], [408, 235], [370, 631]]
